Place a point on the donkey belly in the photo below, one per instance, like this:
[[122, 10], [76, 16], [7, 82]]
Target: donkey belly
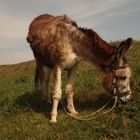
[[69, 60], [62, 56]]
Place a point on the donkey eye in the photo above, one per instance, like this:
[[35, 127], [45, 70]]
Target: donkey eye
[[121, 78]]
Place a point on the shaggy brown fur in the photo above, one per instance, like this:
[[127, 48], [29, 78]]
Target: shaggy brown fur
[[47, 42], [58, 43]]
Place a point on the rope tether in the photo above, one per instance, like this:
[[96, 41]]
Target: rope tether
[[93, 114]]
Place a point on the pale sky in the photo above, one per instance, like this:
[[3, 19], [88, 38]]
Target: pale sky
[[111, 19]]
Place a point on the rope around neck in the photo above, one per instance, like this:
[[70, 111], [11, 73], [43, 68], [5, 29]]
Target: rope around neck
[[93, 114]]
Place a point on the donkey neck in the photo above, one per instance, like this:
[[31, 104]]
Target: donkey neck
[[96, 50]]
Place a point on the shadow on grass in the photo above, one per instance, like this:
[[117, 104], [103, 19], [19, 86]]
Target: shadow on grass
[[33, 101], [92, 102], [89, 102]]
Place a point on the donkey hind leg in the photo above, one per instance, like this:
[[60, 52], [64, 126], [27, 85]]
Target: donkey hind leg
[[45, 84], [70, 90], [37, 79], [56, 94], [47, 81]]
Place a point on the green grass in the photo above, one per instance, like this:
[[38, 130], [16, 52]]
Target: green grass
[[24, 116]]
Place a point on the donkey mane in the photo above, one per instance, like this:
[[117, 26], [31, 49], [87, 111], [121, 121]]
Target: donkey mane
[[106, 48], [87, 31], [101, 49]]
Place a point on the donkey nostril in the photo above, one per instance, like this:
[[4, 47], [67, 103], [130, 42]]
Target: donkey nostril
[[128, 98], [124, 87]]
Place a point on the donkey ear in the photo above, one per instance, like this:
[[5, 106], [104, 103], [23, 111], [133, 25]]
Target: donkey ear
[[124, 47]]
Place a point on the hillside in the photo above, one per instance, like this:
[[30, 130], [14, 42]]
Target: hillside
[[24, 116]]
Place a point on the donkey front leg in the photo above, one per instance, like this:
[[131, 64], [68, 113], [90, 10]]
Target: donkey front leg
[[70, 90], [57, 93]]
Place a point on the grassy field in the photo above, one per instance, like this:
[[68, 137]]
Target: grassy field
[[24, 116]]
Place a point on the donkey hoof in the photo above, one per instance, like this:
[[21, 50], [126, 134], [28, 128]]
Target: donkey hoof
[[75, 113], [52, 121]]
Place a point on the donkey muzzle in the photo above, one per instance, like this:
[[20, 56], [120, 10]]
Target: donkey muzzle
[[125, 97]]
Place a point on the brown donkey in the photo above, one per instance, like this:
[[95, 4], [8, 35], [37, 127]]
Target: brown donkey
[[58, 43]]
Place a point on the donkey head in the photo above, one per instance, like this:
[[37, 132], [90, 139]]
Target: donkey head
[[118, 80]]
